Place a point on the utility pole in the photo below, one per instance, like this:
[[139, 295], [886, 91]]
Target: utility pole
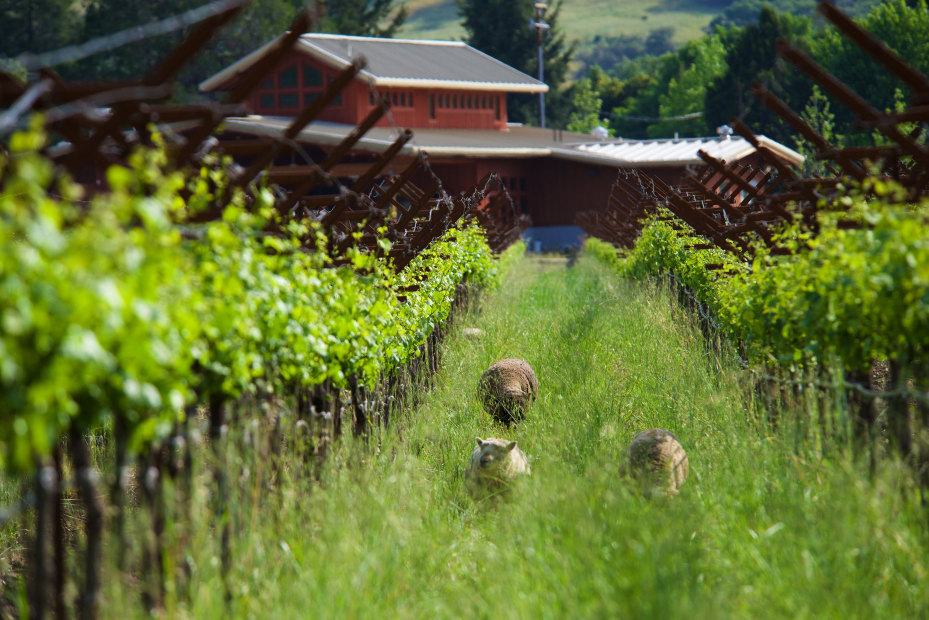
[[540, 26]]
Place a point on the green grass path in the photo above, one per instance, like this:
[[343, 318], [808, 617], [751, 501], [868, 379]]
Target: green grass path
[[767, 525]]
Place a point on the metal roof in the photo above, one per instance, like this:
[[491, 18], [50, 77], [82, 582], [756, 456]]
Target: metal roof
[[682, 151], [403, 63], [521, 141]]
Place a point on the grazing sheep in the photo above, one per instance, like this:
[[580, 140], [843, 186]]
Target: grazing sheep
[[494, 463], [507, 389], [657, 460]]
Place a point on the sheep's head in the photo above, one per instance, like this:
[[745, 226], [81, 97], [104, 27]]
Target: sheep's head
[[493, 452]]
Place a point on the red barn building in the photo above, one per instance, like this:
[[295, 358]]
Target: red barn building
[[453, 97], [429, 84]]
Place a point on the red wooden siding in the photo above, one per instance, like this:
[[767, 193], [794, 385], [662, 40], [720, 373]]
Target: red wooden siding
[[550, 191], [300, 78]]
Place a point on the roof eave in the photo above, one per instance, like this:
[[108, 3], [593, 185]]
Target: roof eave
[[216, 81], [588, 157], [782, 151], [508, 87]]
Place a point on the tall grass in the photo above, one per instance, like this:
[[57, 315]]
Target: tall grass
[[768, 524]]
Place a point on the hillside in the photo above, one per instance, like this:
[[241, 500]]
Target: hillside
[[582, 19]]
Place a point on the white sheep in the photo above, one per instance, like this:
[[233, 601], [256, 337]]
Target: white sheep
[[494, 463], [657, 460]]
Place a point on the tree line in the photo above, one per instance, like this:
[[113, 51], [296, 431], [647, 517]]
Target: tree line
[[706, 82], [636, 87], [496, 27], [36, 26]]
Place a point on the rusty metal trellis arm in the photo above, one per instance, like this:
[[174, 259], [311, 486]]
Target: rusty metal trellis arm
[[783, 170], [382, 162], [852, 100], [193, 43], [251, 78], [258, 72], [333, 158], [306, 116], [740, 184], [874, 47], [383, 200], [774, 103]]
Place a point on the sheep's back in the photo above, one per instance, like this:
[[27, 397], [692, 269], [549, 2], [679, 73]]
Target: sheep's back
[[657, 455], [507, 388]]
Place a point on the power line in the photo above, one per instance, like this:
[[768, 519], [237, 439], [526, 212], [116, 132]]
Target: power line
[[658, 119]]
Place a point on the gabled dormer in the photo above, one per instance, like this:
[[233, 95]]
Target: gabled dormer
[[430, 84]]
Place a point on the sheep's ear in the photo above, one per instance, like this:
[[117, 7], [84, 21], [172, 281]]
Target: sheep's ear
[[479, 441], [510, 446]]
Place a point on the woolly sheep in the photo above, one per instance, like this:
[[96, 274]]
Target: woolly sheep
[[657, 460], [507, 389], [494, 463]]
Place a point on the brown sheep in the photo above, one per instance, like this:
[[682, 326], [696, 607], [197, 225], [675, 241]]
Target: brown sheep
[[507, 389], [657, 460], [494, 463]]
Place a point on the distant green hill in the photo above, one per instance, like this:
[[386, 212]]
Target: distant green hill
[[585, 19], [581, 19]]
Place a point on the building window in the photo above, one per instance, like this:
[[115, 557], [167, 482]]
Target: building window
[[432, 106], [497, 107], [289, 100], [267, 100], [268, 84], [312, 76], [309, 98], [338, 99], [288, 77], [371, 98]]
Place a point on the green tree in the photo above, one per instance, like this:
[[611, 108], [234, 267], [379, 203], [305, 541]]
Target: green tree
[[817, 114], [702, 61], [587, 104], [902, 28], [609, 88], [367, 18], [642, 80], [500, 28], [751, 56], [132, 61], [254, 26], [36, 25]]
